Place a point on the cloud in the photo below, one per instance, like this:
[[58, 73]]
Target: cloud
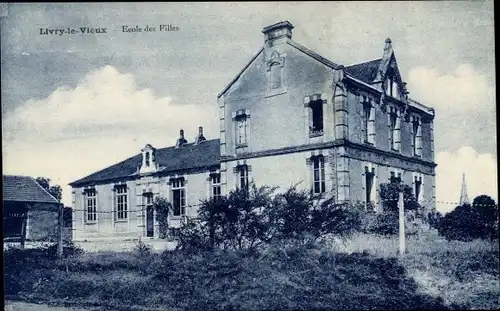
[[463, 90], [480, 173], [104, 119]]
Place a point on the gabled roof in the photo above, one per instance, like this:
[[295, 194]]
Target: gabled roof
[[296, 45], [170, 159], [313, 54], [25, 189], [366, 72]]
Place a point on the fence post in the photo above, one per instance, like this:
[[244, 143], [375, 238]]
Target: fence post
[[402, 242], [60, 226]]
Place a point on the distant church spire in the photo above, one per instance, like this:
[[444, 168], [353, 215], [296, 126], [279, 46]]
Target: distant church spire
[[464, 198]]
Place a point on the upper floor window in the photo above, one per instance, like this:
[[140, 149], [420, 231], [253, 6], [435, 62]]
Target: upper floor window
[[394, 130], [392, 87], [318, 166], [241, 131], [90, 205], [316, 118], [215, 186], [241, 119], [178, 196], [147, 159], [121, 208], [416, 136], [368, 122]]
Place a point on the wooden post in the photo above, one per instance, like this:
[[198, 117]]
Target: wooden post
[[402, 242], [23, 228], [60, 226]]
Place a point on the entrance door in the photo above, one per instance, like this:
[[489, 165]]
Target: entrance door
[[149, 221]]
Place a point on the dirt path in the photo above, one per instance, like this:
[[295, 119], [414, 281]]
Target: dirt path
[[24, 306]]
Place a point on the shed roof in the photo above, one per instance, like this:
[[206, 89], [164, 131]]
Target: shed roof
[[25, 189]]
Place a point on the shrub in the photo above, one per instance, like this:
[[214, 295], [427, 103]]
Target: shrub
[[468, 222], [248, 219]]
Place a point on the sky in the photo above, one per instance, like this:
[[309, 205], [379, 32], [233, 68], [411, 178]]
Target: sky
[[73, 104]]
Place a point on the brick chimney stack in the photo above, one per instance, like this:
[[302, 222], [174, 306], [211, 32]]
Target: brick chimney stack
[[200, 136], [277, 33], [181, 141]]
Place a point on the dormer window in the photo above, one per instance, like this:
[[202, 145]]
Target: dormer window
[[148, 159]]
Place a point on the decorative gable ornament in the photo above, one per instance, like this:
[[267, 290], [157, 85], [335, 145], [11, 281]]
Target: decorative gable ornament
[[276, 59]]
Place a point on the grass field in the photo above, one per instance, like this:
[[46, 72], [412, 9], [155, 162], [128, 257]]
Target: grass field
[[363, 273]]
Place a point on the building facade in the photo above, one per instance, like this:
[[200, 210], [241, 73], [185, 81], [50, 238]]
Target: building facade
[[290, 117]]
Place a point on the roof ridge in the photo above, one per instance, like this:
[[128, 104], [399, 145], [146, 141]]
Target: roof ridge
[[313, 54], [364, 62]]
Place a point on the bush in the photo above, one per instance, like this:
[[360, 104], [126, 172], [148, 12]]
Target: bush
[[468, 222], [248, 219]]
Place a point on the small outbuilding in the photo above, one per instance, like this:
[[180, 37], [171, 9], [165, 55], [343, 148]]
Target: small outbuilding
[[30, 213]]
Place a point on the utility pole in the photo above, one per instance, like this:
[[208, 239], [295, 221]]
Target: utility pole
[[402, 242], [60, 226]]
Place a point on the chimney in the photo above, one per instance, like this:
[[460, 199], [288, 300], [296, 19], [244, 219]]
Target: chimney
[[277, 33], [181, 141], [200, 136]]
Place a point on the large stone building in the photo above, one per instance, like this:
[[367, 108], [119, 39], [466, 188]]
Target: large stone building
[[289, 117]]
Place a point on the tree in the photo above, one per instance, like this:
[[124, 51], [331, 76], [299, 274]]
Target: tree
[[468, 222], [486, 216], [54, 190]]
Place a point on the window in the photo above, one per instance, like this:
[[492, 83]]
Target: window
[[393, 129], [418, 187], [242, 171], [178, 196], [318, 164], [395, 178], [316, 120], [148, 199], [392, 87], [369, 181], [416, 137], [121, 211], [91, 205], [368, 122], [241, 131], [275, 76], [147, 159], [215, 187]]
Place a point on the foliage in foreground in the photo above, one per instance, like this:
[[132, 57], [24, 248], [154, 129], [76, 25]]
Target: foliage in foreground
[[248, 219], [283, 276]]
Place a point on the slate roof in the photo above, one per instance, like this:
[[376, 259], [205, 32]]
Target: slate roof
[[170, 159], [366, 72], [24, 189]]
